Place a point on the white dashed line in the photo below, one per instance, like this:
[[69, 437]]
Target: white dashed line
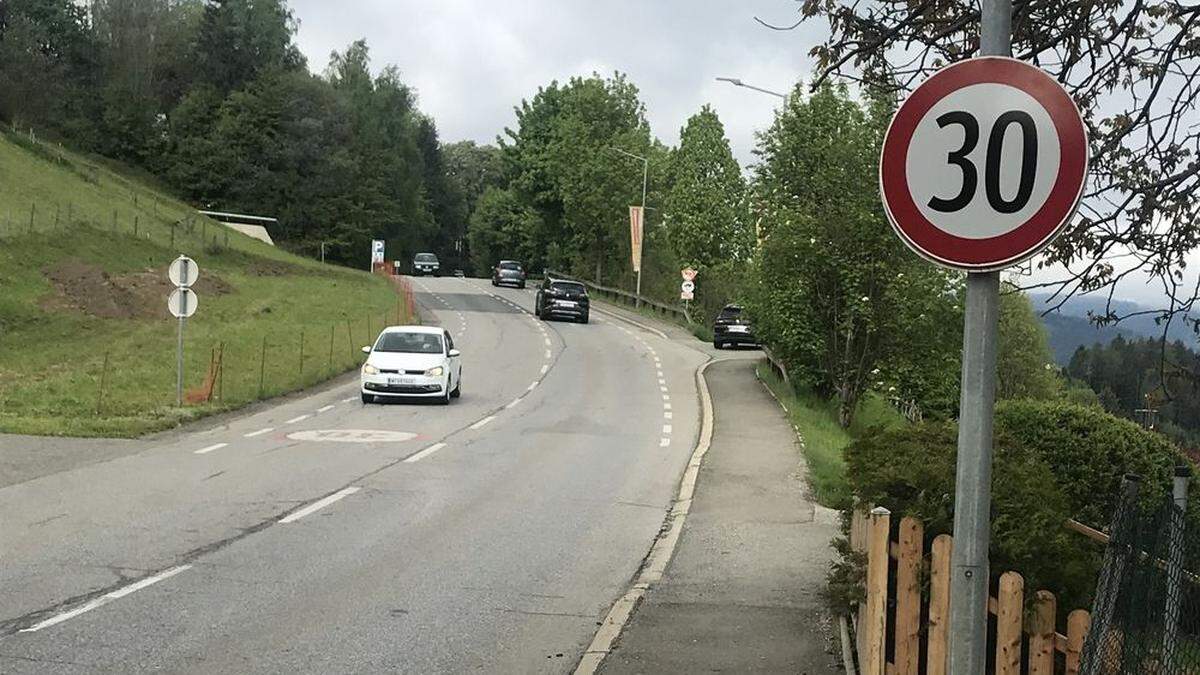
[[533, 386], [425, 453], [297, 419], [547, 341], [664, 442], [662, 389], [661, 381], [317, 505], [545, 368], [349, 400], [260, 432], [205, 451], [512, 405], [666, 428], [666, 406], [666, 415], [325, 408], [548, 354], [666, 397], [480, 424], [106, 598]]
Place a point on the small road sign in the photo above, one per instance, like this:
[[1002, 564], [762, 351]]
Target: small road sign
[[688, 274], [182, 302], [183, 271], [983, 164], [688, 286]]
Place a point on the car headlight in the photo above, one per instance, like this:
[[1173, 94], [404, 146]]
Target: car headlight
[[369, 369], [435, 371]]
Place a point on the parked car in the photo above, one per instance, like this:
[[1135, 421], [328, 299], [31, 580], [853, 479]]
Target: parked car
[[508, 272], [425, 263], [412, 361], [732, 328], [560, 298]]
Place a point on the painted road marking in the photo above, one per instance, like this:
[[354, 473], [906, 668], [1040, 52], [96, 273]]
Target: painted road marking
[[297, 419], [352, 436], [666, 397], [548, 354], [106, 598], [666, 428], [512, 405], [260, 432], [214, 446], [350, 400], [663, 389], [545, 368], [666, 406], [532, 386], [317, 505], [425, 453], [666, 415], [482, 422], [664, 442], [325, 408], [661, 381]]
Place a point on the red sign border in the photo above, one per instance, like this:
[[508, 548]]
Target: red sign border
[[1025, 241]]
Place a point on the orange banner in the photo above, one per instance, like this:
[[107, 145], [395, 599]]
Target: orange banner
[[635, 236]]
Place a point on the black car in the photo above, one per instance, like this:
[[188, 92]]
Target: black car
[[731, 328], [508, 272], [425, 263], [559, 298]]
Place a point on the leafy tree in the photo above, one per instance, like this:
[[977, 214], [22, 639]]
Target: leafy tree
[[705, 206], [501, 228], [1024, 365], [239, 40]]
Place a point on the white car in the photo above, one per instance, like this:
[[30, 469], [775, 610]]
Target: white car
[[412, 361]]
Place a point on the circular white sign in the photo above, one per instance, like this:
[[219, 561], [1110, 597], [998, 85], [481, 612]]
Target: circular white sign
[[352, 436], [183, 271], [182, 302], [983, 164], [687, 286]]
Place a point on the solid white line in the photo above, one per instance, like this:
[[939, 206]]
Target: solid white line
[[532, 386], [324, 408], [317, 505], [215, 446], [666, 428], [482, 422], [424, 453], [545, 368], [664, 442], [260, 432], [512, 405], [106, 598], [297, 419]]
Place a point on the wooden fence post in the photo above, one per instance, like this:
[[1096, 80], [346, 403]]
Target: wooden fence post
[[332, 330], [939, 605], [262, 367], [1077, 628], [1042, 634], [875, 624], [302, 353], [1010, 607], [908, 596]]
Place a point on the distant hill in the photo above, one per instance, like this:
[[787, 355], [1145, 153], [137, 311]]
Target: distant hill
[[1069, 327]]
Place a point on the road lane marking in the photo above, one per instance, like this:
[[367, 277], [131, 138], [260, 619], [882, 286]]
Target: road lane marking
[[661, 381], [666, 428], [350, 400], [480, 424], [545, 368], [666, 397], [325, 408], [532, 386], [106, 598], [666, 406], [512, 405], [260, 432], [664, 442], [666, 415], [214, 446], [548, 354], [318, 505], [547, 341], [297, 419], [425, 453], [662, 389]]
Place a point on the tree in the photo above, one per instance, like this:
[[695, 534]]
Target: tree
[[835, 295], [705, 207], [1024, 364], [239, 40], [501, 227], [1131, 69]]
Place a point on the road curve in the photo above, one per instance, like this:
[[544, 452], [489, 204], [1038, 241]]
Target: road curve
[[321, 535]]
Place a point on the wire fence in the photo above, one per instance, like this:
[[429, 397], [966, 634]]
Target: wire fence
[[1146, 616]]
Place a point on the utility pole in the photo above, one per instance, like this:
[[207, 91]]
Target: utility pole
[[973, 487], [645, 175]]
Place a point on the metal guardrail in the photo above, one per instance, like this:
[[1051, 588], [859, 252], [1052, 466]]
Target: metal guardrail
[[626, 297]]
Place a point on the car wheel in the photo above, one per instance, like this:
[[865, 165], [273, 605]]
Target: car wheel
[[367, 398], [584, 318], [717, 344], [457, 393], [522, 286]]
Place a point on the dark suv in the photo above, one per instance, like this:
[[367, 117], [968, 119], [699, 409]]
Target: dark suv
[[731, 328], [425, 263], [557, 297], [508, 272]]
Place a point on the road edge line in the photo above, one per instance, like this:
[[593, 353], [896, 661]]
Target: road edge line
[[663, 548], [627, 320]]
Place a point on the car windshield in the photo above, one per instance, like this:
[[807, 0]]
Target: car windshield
[[731, 311], [568, 287], [411, 343], [510, 266], [426, 257]]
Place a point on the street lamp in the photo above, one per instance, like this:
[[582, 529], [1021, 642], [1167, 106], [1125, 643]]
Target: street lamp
[[738, 83], [645, 174]]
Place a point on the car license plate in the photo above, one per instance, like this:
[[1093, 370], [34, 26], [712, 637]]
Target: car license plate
[[737, 329], [401, 380], [565, 303]]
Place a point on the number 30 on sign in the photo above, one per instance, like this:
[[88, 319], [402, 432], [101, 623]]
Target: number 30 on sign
[[983, 164]]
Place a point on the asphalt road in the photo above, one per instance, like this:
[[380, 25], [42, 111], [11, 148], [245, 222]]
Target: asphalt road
[[321, 535]]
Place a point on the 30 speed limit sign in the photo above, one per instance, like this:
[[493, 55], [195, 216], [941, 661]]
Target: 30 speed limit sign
[[983, 164]]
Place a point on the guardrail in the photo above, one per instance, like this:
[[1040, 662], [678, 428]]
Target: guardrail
[[626, 297]]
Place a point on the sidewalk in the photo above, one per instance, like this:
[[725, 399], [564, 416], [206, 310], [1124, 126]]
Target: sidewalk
[[742, 590]]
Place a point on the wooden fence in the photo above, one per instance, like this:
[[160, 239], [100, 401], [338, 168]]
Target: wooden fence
[[894, 600]]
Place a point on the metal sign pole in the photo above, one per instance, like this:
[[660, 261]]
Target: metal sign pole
[[973, 479], [179, 360]]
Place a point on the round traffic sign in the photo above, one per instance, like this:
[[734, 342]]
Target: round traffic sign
[[183, 271], [983, 164], [687, 286], [182, 302]]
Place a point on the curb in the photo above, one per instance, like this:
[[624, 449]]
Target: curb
[[663, 548]]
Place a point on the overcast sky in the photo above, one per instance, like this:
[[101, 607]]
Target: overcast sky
[[471, 61]]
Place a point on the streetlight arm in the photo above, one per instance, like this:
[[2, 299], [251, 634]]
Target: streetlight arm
[[738, 83]]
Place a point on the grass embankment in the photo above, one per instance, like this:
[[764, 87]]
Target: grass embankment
[[79, 285], [823, 439]]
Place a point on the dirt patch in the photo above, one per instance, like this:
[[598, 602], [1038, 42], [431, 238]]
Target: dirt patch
[[86, 288]]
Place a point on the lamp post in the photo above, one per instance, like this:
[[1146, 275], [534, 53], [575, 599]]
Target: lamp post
[[645, 174], [738, 83]]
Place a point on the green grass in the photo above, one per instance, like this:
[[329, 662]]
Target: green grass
[[52, 353], [823, 440]]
